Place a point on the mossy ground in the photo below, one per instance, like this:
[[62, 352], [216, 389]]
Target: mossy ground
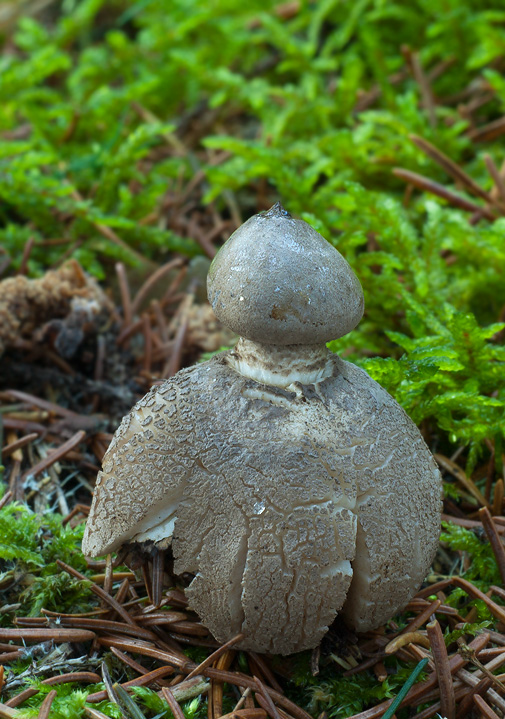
[[141, 132]]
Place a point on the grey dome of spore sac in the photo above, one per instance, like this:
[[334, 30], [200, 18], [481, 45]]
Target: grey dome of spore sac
[[278, 281]]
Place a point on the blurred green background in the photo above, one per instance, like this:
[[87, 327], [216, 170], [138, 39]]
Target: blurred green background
[[134, 131]]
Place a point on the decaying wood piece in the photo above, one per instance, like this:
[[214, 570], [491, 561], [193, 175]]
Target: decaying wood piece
[[66, 297]]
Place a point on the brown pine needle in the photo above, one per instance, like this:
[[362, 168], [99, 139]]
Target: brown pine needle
[[150, 283], [403, 639], [129, 661], [148, 343], [216, 687], [157, 576], [51, 407], [140, 681], [467, 702], [472, 679], [173, 703], [55, 456], [46, 705], [460, 475], [496, 176], [98, 591], [267, 702], [7, 712], [468, 523], [416, 694], [496, 610], [246, 714], [192, 628], [441, 659], [174, 363], [105, 625], [499, 491], [261, 662], [488, 132], [18, 444], [108, 576], [423, 617], [122, 592], [116, 577], [6, 499], [424, 85], [168, 617], [94, 713], [494, 540], [484, 708], [124, 289], [178, 662], [435, 188], [434, 588], [53, 634], [380, 671], [215, 655], [242, 680], [451, 168]]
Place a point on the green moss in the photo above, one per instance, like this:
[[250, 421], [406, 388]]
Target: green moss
[[30, 543], [342, 696], [68, 703], [103, 89]]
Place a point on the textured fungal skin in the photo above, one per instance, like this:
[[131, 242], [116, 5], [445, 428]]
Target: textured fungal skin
[[287, 505], [278, 281]]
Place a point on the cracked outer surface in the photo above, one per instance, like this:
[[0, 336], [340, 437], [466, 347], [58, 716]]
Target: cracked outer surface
[[285, 502]]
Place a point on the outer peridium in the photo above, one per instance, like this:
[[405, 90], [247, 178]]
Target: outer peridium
[[280, 503]]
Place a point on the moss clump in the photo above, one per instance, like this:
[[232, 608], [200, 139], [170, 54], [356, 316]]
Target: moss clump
[[30, 544]]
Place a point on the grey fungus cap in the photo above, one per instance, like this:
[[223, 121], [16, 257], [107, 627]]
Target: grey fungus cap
[[278, 281]]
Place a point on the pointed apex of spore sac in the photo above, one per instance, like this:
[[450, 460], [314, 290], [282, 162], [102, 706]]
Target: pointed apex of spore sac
[[276, 210]]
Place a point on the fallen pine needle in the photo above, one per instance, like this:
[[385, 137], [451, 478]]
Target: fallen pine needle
[[215, 655], [407, 638], [265, 700], [443, 671], [46, 705], [404, 690], [172, 703], [43, 635], [494, 540], [7, 712], [484, 707]]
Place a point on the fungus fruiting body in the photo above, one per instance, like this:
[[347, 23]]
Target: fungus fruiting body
[[290, 485]]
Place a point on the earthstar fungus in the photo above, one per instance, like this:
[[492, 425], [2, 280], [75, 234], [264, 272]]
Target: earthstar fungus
[[288, 483]]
